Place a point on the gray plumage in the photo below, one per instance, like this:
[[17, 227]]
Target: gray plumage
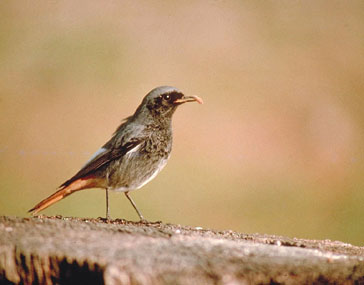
[[137, 151]]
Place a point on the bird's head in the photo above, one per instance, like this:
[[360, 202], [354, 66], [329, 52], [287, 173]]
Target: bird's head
[[162, 101]]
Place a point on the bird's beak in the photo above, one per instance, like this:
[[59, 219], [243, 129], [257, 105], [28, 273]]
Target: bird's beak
[[185, 99]]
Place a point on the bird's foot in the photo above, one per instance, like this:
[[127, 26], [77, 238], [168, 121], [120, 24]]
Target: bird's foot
[[105, 220], [144, 221]]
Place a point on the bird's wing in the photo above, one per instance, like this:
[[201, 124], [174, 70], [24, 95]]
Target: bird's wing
[[105, 155]]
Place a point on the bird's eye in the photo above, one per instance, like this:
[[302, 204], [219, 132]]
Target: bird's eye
[[166, 96]]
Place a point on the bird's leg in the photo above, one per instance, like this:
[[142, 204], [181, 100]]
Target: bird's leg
[[136, 209], [107, 204]]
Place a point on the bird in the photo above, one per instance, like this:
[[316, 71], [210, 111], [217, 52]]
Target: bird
[[137, 151]]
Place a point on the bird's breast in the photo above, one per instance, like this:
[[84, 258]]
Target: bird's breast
[[140, 165]]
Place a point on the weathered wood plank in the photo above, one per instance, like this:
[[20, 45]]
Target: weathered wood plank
[[56, 250]]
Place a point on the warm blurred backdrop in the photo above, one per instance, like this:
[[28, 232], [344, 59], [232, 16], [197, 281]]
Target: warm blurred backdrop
[[277, 147]]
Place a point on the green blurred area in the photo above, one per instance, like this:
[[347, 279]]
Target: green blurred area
[[277, 147]]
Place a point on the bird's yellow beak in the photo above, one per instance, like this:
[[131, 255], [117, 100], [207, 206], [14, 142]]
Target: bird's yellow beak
[[185, 99]]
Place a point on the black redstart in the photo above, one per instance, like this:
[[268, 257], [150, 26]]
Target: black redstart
[[136, 153]]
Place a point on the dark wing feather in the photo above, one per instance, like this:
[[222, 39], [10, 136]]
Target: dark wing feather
[[103, 159]]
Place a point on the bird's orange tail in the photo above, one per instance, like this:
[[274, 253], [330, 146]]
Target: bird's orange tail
[[79, 184]]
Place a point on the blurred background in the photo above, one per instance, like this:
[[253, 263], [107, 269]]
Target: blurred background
[[277, 148]]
